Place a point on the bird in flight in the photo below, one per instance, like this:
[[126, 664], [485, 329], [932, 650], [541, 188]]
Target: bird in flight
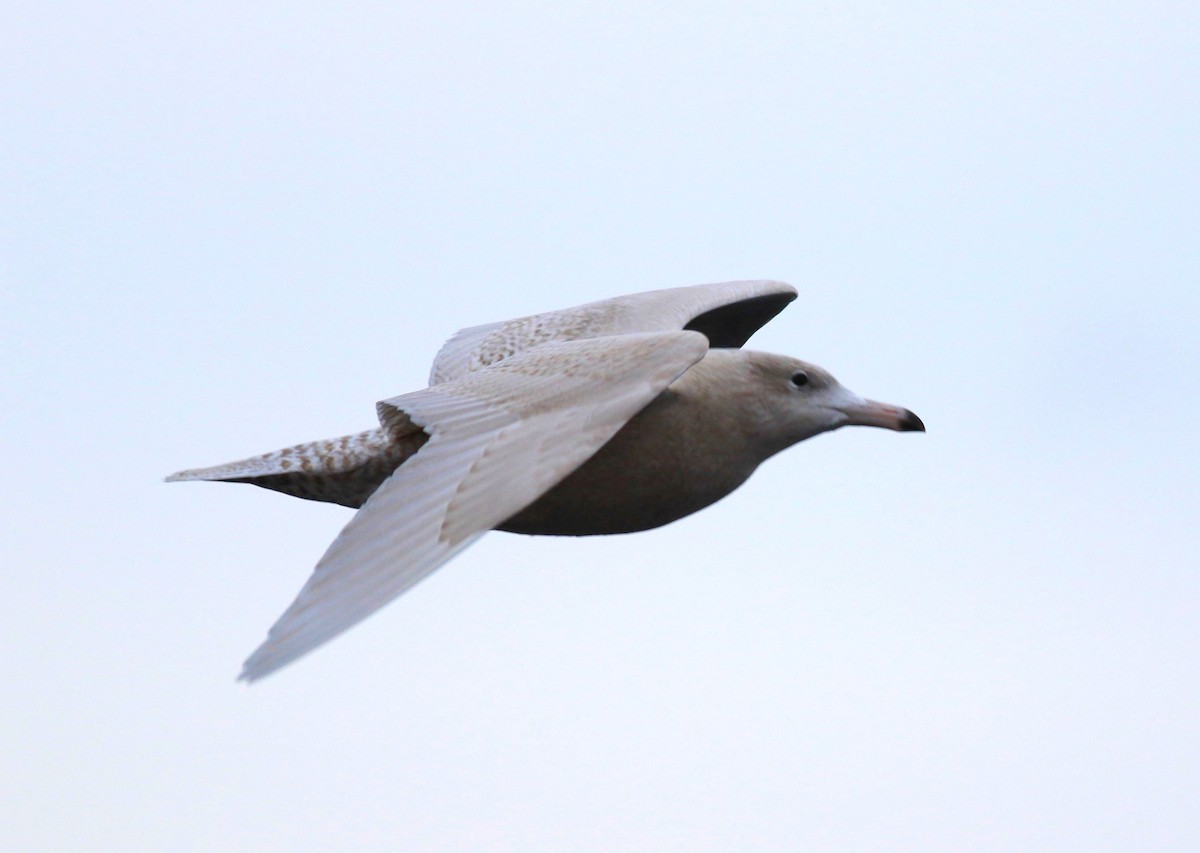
[[611, 417]]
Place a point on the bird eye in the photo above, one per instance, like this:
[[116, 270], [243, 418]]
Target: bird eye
[[799, 378]]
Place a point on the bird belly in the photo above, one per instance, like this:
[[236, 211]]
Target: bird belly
[[657, 469]]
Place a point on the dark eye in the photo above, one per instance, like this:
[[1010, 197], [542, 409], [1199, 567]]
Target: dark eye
[[799, 378]]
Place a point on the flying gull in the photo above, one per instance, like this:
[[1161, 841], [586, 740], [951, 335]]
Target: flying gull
[[611, 417]]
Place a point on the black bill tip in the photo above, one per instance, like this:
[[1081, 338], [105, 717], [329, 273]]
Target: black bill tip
[[911, 423]]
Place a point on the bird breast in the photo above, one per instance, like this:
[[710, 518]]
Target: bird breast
[[684, 451]]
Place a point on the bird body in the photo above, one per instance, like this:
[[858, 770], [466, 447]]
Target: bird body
[[690, 447], [612, 417]]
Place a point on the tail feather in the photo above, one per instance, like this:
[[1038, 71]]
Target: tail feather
[[345, 470]]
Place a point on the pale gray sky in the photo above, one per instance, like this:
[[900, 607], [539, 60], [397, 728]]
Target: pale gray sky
[[228, 228]]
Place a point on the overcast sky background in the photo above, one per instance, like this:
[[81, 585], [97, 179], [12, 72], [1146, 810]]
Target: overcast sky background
[[231, 227]]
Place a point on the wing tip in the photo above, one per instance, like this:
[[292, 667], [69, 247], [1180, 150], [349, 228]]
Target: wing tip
[[259, 666], [217, 472]]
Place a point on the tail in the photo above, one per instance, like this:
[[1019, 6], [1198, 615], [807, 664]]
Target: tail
[[344, 470]]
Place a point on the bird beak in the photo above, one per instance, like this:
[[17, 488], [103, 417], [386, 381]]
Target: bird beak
[[872, 413]]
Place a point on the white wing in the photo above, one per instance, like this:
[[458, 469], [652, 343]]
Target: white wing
[[727, 313], [499, 438]]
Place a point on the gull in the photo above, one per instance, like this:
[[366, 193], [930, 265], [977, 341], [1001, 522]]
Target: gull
[[612, 417]]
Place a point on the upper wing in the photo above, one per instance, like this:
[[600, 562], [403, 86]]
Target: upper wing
[[499, 439], [727, 314]]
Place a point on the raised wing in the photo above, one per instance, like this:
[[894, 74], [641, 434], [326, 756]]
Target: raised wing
[[499, 438], [727, 313]]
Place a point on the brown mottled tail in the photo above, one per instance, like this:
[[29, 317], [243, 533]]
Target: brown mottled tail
[[345, 470]]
